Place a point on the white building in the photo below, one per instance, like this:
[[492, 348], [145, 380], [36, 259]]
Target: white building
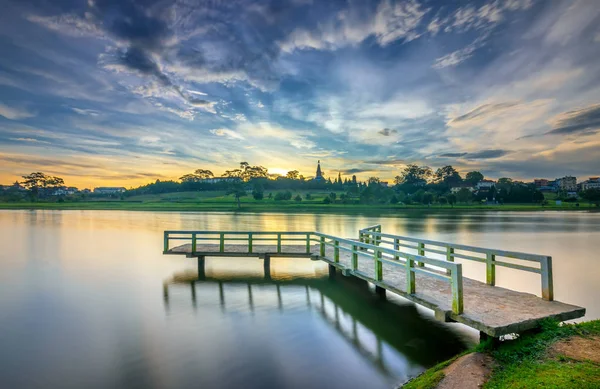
[[592, 183], [109, 190]]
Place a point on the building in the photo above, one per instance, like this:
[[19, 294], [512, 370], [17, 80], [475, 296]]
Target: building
[[462, 185], [566, 184], [71, 190], [540, 182], [107, 190], [218, 180], [319, 174], [591, 183], [485, 185]]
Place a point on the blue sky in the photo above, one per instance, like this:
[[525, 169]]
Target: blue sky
[[127, 91]]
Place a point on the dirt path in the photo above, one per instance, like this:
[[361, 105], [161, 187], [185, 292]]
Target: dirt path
[[578, 348], [467, 372]]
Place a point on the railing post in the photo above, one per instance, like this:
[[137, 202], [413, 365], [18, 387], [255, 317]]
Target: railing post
[[457, 289], [193, 242], [250, 242], [397, 248], [547, 286], [449, 256], [222, 242], [378, 265], [354, 257], [336, 251], [410, 275], [279, 242], [361, 236], [378, 237], [166, 242], [490, 269], [322, 247], [307, 243], [421, 252]]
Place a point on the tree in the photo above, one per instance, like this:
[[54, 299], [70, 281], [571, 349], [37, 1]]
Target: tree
[[442, 200], [464, 195], [246, 172], [237, 189], [538, 197], [415, 175], [292, 175], [199, 174], [451, 199], [298, 198], [427, 198], [332, 196], [373, 181], [258, 192], [592, 196], [474, 177], [447, 175], [38, 183]]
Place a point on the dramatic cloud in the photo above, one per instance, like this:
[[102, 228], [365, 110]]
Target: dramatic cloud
[[583, 120], [483, 154], [127, 87]]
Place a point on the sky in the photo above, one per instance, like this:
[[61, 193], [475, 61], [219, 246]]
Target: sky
[[124, 92]]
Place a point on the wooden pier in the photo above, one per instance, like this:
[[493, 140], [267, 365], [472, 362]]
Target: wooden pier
[[404, 266]]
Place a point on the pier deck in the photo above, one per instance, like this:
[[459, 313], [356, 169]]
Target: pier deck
[[433, 283]]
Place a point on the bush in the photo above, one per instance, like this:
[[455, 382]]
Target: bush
[[308, 196], [258, 195], [287, 195], [327, 200], [298, 198]]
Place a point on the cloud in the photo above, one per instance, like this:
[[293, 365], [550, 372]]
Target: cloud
[[461, 55], [354, 171], [387, 132], [484, 111], [387, 23], [227, 133], [85, 112], [584, 120], [15, 113], [483, 154]]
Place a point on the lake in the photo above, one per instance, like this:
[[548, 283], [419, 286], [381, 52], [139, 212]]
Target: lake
[[88, 300]]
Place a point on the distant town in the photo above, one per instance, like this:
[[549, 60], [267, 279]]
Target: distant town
[[413, 185]]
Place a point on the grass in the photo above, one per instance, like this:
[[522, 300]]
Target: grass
[[525, 362], [219, 201]]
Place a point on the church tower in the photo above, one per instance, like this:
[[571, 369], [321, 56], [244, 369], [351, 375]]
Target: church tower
[[319, 175]]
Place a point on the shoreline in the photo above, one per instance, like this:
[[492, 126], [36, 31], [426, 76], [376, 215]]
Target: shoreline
[[287, 207]]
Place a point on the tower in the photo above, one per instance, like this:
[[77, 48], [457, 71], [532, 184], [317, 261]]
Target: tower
[[319, 175]]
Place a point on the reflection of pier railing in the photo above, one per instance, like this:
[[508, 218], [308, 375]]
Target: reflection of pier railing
[[346, 303], [333, 318]]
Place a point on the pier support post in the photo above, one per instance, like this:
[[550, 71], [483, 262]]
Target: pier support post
[[201, 268], [380, 291], [267, 266], [483, 337], [331, 271]]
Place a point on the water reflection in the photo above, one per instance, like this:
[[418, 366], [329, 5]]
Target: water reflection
[[393, 338]]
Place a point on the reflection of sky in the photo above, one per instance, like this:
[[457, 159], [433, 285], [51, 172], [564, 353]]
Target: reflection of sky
[[79, 286]]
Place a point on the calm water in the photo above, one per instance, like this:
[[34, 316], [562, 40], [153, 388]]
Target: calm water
[[88, 301]]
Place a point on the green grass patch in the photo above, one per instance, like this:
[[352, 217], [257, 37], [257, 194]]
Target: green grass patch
[[525, 363]]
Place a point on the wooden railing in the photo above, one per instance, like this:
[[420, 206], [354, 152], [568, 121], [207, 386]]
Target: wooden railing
[[369, 248], [249, 237], [452, 251], [380, 255]]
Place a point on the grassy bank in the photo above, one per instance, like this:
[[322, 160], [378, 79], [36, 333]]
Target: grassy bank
[[218, 201], [554, 357]]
